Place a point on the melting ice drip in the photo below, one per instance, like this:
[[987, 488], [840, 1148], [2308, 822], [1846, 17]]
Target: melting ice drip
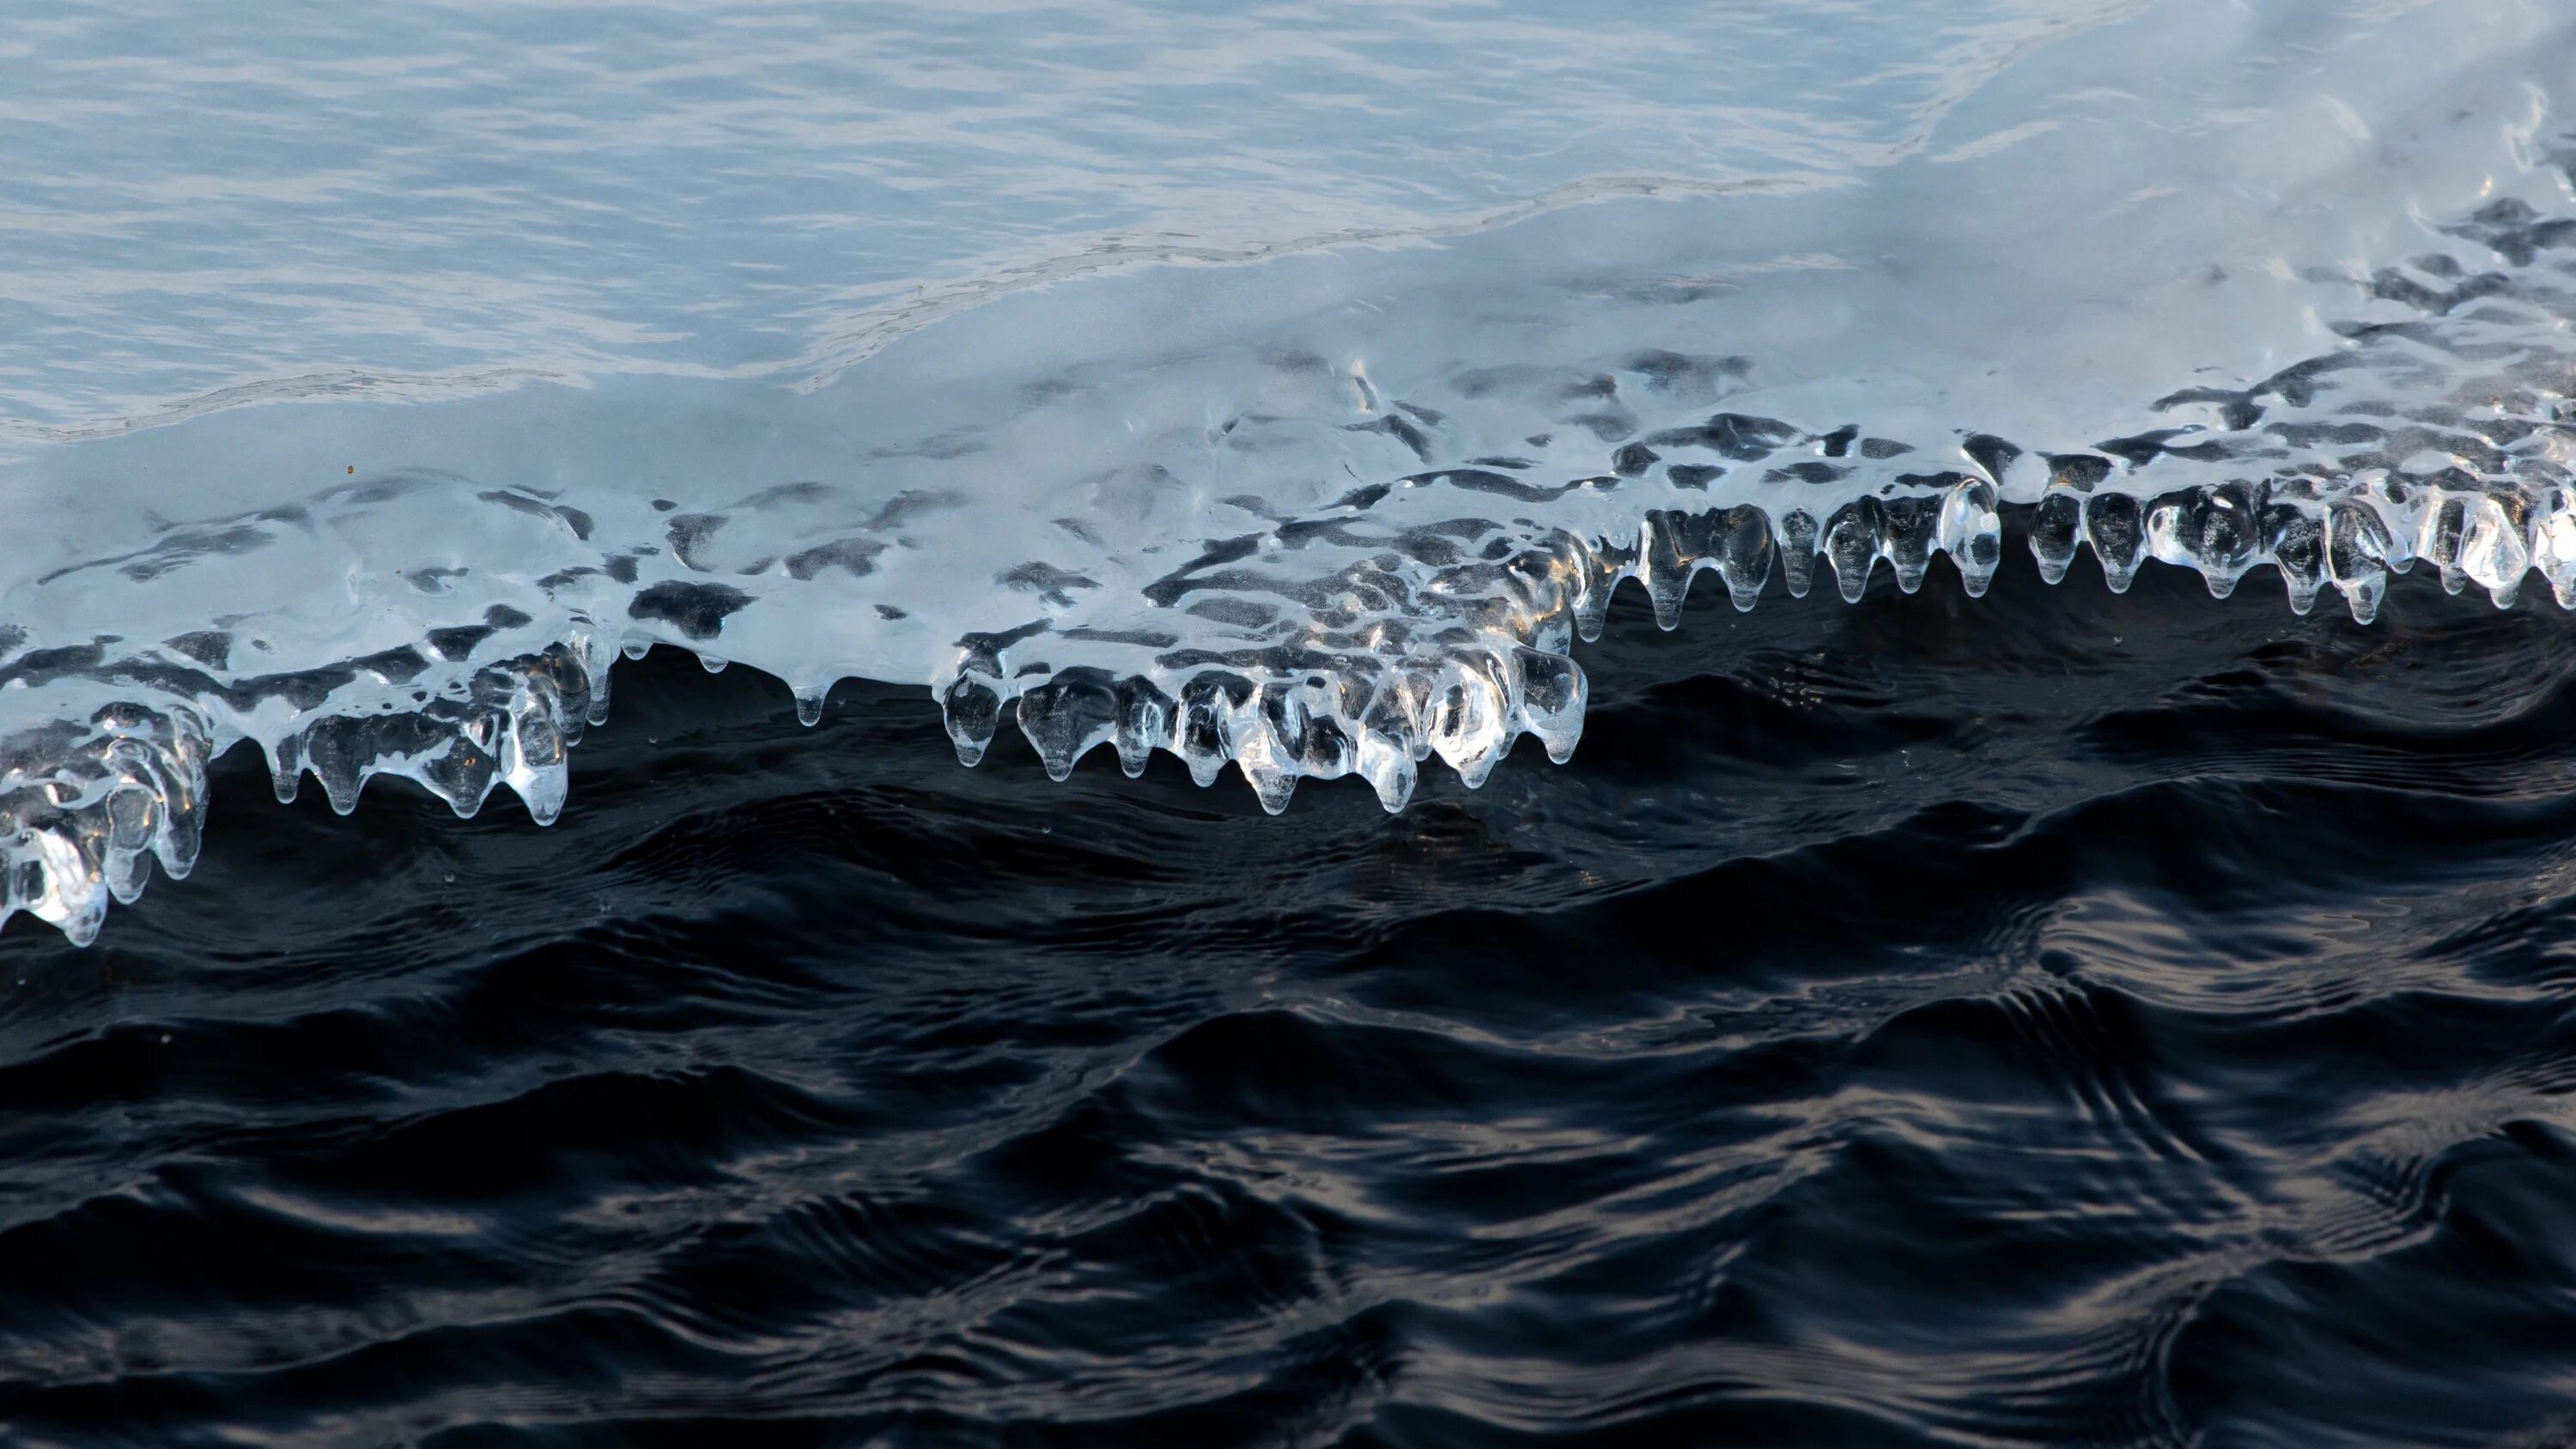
[[1417, 598]]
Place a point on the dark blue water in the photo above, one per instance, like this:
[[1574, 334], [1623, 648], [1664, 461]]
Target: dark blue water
[[2053, 1019]]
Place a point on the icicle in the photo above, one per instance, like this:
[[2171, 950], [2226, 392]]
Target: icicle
[[971, 707], [2112, 521], [1798, 538], [1743, 549], [1552, 696]]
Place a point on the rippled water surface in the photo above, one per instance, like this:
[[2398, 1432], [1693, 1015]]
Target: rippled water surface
[[1919, 1004], [2054, 1019]]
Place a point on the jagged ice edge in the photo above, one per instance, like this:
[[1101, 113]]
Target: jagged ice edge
[[85, 806], [1339, 707]]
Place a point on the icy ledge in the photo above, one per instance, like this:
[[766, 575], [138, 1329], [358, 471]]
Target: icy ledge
[[86, 807], [1482, 656], [1383, 568], [1492, 659]]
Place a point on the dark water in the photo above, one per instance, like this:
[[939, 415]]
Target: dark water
[[2056, 1019]]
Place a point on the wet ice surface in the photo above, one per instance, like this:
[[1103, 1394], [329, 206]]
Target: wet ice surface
[[427, 202]]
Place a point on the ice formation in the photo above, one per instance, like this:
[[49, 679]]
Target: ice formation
[[1346, 513]]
